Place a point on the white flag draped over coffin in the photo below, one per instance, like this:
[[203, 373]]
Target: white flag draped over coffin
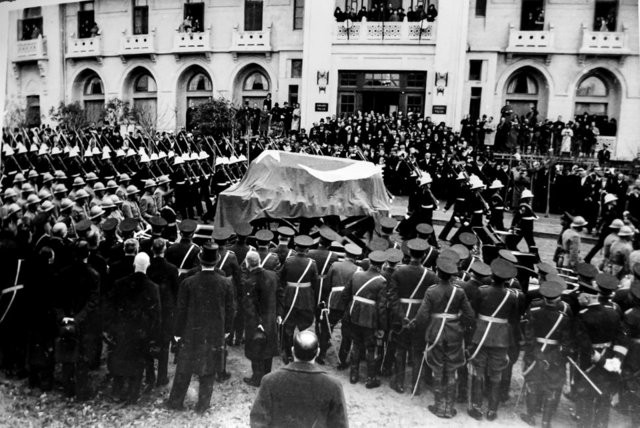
[[290, 185]]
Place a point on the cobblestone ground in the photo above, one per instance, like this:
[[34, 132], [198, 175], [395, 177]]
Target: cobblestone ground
[[231, 403]]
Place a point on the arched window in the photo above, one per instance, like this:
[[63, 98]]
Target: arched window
[[145, 83], [525, 91], [592, 86], [93, 86], [199, 82], [256, 81], [522, 83], [598, 95]]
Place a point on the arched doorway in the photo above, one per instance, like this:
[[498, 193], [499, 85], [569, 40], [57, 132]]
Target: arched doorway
[[252, 86], [141, 89], [598, 97], [526, 89], [88, 89], [194, 88]]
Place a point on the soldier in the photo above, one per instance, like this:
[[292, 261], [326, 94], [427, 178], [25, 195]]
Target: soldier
[[407, 287], [184, 254], [148, 207], [422, 204], [297, 277], [241, 248], [79, 211], [522, 223], [130, 207], [204, 309], [496, 205], [157, 226], [339, 276], [631, 365], [124, 181], [618, 263], [387, 232], [134, 325], [571, 243], [445, 313], [602, 347], [608, 216], [548, 337], [285, 234], [498, 308], [363, 297], [324, 258], [229, 265], [460, 209], [610, 239], [386, 348], [165, 275], [268, 259]]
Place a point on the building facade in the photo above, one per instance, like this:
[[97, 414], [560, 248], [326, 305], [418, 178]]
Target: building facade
[[561, 57]]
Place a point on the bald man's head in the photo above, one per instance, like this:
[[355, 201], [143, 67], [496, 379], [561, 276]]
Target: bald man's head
[[305, 346]]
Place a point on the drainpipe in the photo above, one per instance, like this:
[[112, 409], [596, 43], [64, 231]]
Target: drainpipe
[[63, 35]]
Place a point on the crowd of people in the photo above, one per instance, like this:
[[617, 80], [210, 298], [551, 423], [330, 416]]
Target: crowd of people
[[99, 242], [381, 12]]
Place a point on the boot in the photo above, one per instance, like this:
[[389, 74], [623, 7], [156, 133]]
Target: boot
[[450, 398], [355, 365], [494, 400], [438, 408], [548, 409], [372, 382], [476, 399], [531, 400], [463, 373]]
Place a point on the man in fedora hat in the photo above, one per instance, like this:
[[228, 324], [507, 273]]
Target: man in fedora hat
[[571, 242], [205, 307]]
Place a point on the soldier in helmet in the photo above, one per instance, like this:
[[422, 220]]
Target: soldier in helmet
[[523, 219], [571, 242], [496, 205]]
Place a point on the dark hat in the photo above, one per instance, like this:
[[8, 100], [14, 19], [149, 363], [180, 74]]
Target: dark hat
[[329, 234], [556, 278], [353, 250], [109, 225], [394, 255], [303, 241], [468, 239], [264, 235], [508, 256], [157, 222], [221, 234], [187, 226], [424, 229], [551, 289], [388, 223], [378, 257], [83, 226], [448, 253], [586, 270], [209, 254], [635, 288], [546, 268], [286, 231], [462, 251], [128, 225], [418, 245], [607, 281], [447, 265], [243, 229], [480, 268], [378, 244], [503, 269]]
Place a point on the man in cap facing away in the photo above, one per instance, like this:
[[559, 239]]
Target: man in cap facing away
[[300, 394]]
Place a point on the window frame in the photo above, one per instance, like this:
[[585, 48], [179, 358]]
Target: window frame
[[296, 8], [292, 74], [144, 10], [254, 25], [481, 8]]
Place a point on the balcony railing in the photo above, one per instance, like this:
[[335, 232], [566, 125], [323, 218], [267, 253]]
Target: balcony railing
[[31, 50], [192, 42], [251, 41], [380, 32], [139, 44], [530, 41], [82, 48], [604, 42]]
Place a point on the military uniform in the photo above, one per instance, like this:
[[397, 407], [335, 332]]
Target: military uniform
[[522, 224], [571, 248], [496, 207], [184, 254], [631, 365]]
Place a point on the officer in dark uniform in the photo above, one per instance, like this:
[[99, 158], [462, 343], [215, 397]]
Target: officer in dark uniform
[[425, 231], [522, 223], [111, 246], [157, 226], [363, 299], [602, 345], [338, 277], [496, 205], [240, 248], [586, 275], [324, 258], [229, 265], [387, 232], [297, 277], [497, 307], [268, 259], [421, 205], [385, 347], [460, 209], [445, 314], [285, 235], [184, 254], [548, 337], [631, 365], [407, 287]]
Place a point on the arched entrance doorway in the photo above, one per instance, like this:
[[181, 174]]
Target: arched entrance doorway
[[252, 86], [597, 100], [141, 89], [526, 89], [194, 88], [88, 90]]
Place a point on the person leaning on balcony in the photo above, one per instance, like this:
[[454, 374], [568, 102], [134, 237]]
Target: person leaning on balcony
[[411, 15], [95, 30], [339, 15], [432, 13], [362, 14], [394, 16]]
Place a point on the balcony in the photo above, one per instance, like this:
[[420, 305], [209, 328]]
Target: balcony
[[30, 50], [90, 47], [251, 41], [530, 42], [604, 43], [139, 44], [192, 43], [384, 32]]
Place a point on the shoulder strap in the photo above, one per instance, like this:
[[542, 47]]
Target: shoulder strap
[[357, 293], [186, 256], [326, 263], [224, 260], [305, 271], [415, 290], [504, 300], [553, 329], [262, 263]]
